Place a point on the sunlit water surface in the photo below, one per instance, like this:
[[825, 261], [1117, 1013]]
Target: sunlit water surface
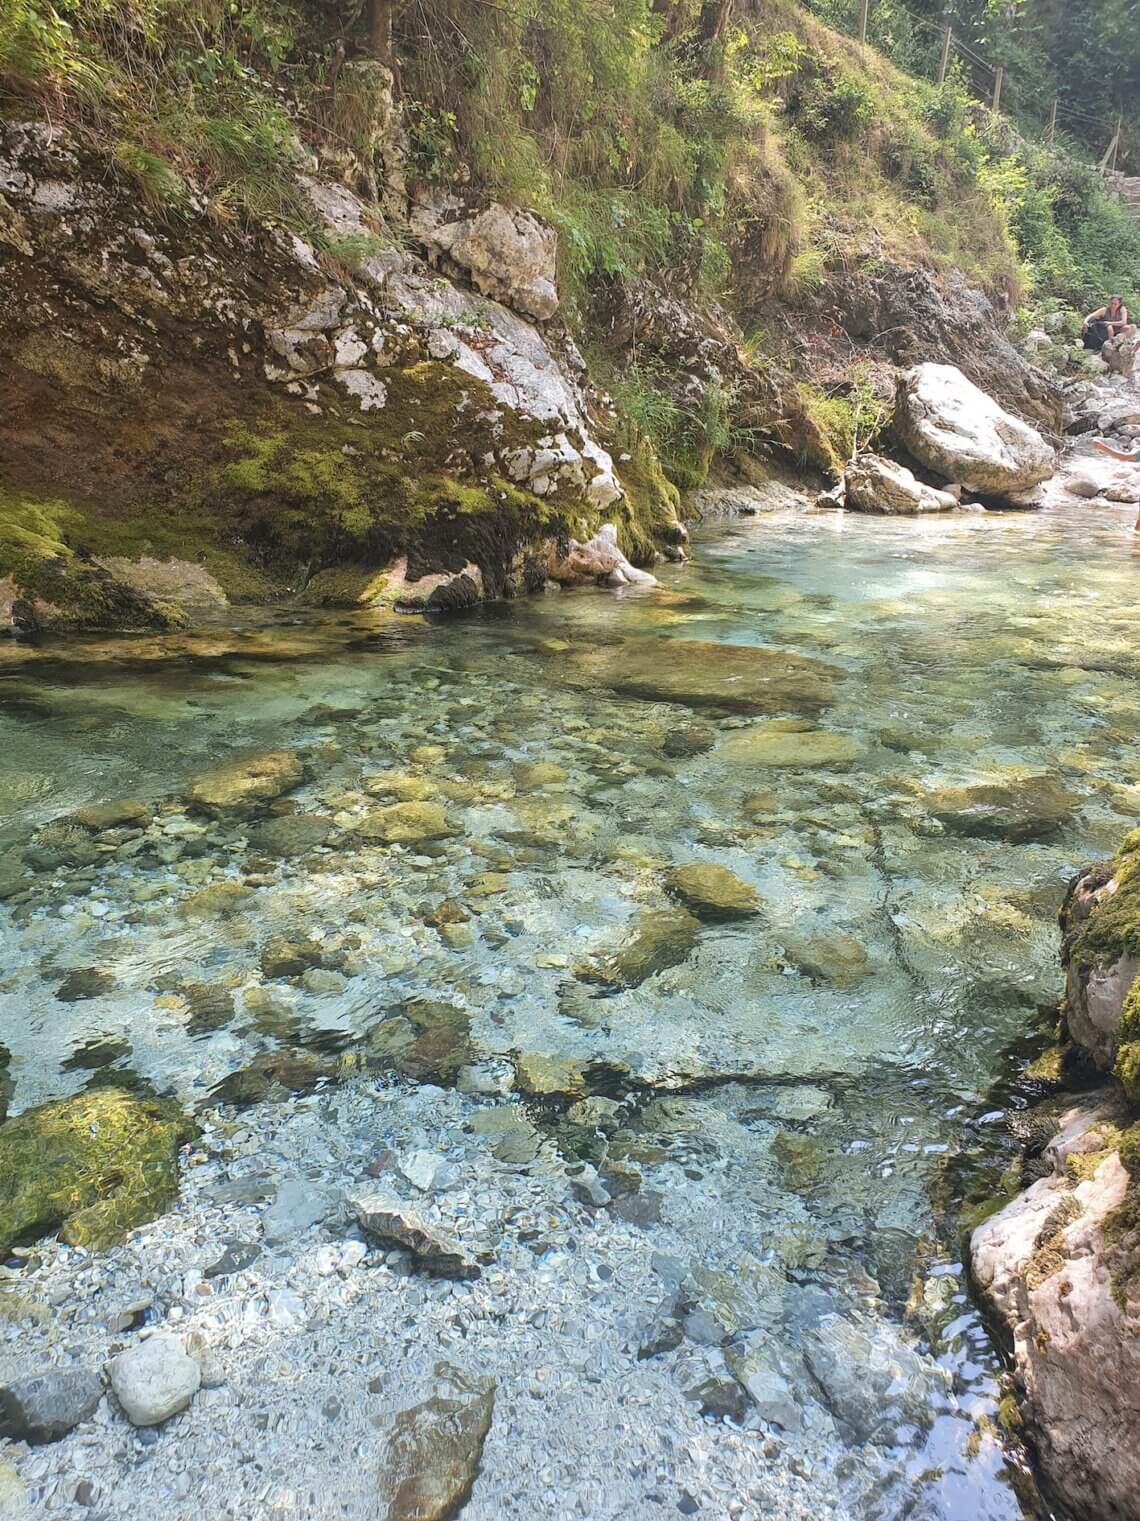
[[868, 1010]]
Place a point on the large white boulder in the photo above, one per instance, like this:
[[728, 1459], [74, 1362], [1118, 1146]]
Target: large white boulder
[[875, 484], [956, 430]]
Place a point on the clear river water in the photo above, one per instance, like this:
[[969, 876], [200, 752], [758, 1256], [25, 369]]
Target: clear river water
[[806, 1074]]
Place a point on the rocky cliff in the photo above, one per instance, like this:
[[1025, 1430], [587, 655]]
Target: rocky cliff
[[197, 411], [384, 406], [1059, 1264]]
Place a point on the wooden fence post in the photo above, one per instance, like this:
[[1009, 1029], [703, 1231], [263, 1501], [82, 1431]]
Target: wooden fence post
[[1053, 123], [997, 88], [944, 61], [863, 21]]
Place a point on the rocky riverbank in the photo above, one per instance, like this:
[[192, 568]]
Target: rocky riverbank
[[1059, 1264]]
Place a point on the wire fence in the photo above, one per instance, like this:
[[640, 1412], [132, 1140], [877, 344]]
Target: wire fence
[[986, 79]]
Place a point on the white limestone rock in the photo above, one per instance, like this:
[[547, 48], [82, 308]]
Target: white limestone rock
[[877, 484], [959, 432], [155, 1380]]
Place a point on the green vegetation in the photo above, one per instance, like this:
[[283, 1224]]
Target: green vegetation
[[741, 152]]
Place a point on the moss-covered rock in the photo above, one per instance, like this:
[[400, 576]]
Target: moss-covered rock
[[405, 824], [712, 892], [246, 786], [1014, 809], [95, 1166], [734, 678], [1100, 919]]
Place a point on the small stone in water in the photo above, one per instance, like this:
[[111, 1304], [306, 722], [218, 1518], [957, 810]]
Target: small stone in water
[[85, 982], [154, 1380], [235, 1259], [47, 1405]]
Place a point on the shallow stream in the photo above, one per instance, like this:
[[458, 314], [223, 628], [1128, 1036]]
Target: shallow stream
[[801, 1074]]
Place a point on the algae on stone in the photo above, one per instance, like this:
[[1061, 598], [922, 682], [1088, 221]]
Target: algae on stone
[[96, 1165], [783, 743], [661, 938], [734, 678], [246, 786], [712, 892], [405, 824]]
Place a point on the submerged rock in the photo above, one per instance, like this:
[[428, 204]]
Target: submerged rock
[[542, 1076], [871, 1380], [435, 1452], [100, 816], [783, 743], [96, 1165], [387, 1219], [155, 1380], [834, 958], [285, 957], [427, 1040], [405, 824], [735, 678], [293, 835], [45, 1406], [271, 1077], [246, 786], [1018, 809], [662, 937], [83, 983], [712, 892], [688, 740]]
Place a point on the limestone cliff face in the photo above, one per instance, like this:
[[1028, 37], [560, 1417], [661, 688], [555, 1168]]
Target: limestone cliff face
[[384, 406], [276, 413], [1059, 1265]]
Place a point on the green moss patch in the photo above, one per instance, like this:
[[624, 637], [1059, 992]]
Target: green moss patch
[[94, 1166], [1113, 928]]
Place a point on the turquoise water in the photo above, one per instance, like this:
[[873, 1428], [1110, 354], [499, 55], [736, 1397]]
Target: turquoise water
[[806, 1071]]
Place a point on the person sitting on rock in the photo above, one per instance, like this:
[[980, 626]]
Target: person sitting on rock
[[1106, 322]]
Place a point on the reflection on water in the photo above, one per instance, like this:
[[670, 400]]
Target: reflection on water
[[832, 1049]]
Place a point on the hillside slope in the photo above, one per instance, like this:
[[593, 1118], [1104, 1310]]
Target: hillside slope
[[276, 304]]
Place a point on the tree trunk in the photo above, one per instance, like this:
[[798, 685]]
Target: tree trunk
[[380, 30], [716, 15]]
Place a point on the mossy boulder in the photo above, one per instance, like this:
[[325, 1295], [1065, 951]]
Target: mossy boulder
[[712, 892], [246, 786], [1100, 920], [93, 1166]]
